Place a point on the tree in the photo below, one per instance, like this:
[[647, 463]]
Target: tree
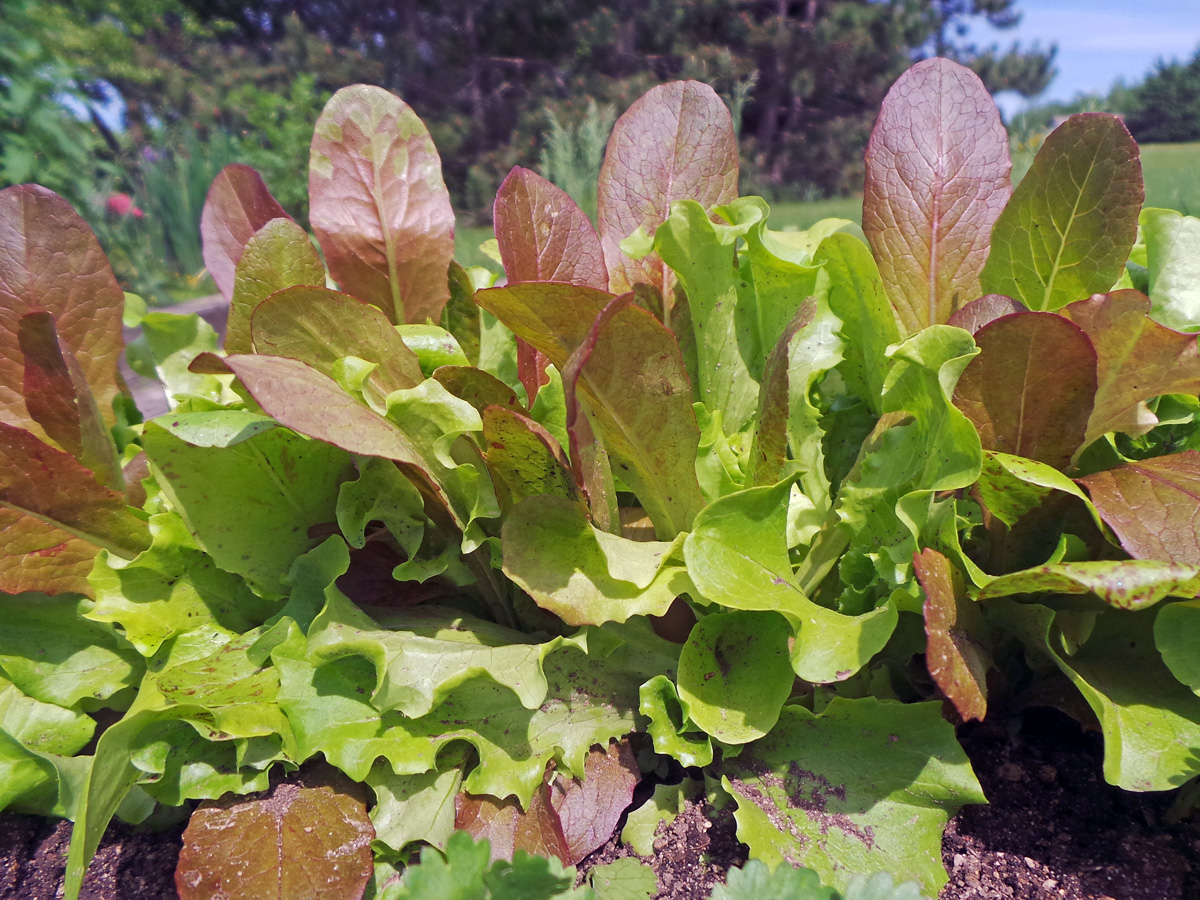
[[1166, 106], [1027, 72], [483, 73]]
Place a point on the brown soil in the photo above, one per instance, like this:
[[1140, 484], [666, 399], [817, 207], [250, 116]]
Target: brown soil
[[131, 864], [1054, 831]]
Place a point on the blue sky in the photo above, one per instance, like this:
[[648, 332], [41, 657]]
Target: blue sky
[[1100, 40]]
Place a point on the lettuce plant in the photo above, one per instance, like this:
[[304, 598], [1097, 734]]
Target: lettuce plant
[[773, 504]]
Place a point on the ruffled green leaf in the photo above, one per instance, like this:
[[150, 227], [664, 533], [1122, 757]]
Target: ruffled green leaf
[[274, 489], [584, 575], [54, 655], [737, 557], [868, 785], [171, 588]]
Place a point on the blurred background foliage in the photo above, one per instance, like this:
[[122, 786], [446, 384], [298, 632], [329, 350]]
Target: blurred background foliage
[[147, 99]]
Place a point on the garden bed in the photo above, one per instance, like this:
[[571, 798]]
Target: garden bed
[[1054, 830]]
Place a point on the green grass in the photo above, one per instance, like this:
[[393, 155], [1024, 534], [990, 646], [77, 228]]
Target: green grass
[[1172, 176], [801, 216], [466, 247], [1171, 173]]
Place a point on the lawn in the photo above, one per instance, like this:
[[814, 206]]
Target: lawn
[[1171, 173], [1172, 176]]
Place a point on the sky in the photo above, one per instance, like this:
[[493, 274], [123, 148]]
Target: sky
[[1099, 41]]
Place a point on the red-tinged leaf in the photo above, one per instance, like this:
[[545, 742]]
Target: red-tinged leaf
[[985, 310], [479, 388], [509, 828], [1129, 584], [595, 476], [543, 235], [319, 326], [768, 452], [298, 843], [589, 807], [937, 178], [279, 255], [1072, 220], [634, 383], [37, 556], [590, 463], [956, 662], [1136, 359], [1153, 506], [524, 458], [675, 143], [531, 369], [309, 402], [58, 398], [379, 206], [51, 261], [52, 487], [1030, 390], [238, 205]]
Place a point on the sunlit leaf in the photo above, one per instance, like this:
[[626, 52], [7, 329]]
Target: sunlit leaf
[[279, 255], [524, 458], [1136, 359], [1151, 505], [319, 326], [544, 235], [379, 206], [1172, 250], [956, 661], [937, 177], [303, 843], [868, 785], [48, 487], [858, 298], [590, 804], [52, 262], [411, 808], [170, 589], [1030, 391], [1123, 583], [1067, 231], [737, 557], [726, 329], [735, 675], [508, 828], [650, 433], [674, 143], [238, 205], [582, 574]]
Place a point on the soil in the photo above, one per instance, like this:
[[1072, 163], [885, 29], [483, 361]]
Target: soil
[[1054, 830]]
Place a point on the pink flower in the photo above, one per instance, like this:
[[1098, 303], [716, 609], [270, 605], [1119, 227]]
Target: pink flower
[[122, 205]]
